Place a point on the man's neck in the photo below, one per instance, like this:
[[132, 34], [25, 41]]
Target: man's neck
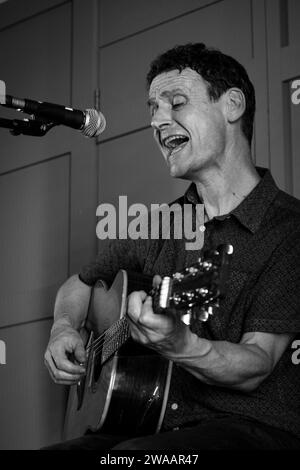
[[223, 188]]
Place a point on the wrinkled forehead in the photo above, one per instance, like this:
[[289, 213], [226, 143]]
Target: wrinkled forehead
[[187, 81]]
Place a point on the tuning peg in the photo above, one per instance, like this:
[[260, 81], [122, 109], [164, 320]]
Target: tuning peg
[[178, 276], [207, 265], [203, 313], [203, 291], [192, 270], [186, 318], [176, 299]]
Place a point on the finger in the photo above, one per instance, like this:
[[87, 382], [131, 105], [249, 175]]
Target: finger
[[156, 281], [63, 363], [137, 332], [80, 353], [58, 376], [134, 306]]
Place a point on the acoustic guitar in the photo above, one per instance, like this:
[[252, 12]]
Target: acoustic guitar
[[125, 389]]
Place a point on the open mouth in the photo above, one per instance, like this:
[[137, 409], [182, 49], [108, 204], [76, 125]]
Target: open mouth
[[174, 143]]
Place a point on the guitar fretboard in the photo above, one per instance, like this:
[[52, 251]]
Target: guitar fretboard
[[115, 337]]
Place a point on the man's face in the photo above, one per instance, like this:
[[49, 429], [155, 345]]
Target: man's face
[[189, 128]]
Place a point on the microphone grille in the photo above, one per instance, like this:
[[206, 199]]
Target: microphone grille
[[95, 123]]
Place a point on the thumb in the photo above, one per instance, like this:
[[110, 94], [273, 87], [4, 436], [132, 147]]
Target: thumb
[[79, 353], [156, 280]]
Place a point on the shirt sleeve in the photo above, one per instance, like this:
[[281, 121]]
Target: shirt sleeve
[[114, 255], [275, 299]]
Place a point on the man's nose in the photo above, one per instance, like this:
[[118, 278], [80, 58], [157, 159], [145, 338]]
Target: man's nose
[[162, 118]]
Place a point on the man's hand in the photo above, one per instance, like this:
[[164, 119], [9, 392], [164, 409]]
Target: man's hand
[[165, 333], [65, 343]]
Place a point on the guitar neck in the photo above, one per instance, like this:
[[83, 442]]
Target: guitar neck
[[115, 337]]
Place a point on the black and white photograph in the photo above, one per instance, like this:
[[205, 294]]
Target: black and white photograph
[[150, 228]]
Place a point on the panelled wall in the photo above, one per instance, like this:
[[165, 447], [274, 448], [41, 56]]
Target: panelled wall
[[262, 35], [62, 51], [47, 204], [235, 26], [284, 67]]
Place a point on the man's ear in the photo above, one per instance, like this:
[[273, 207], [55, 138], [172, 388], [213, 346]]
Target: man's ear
[[235, 104]]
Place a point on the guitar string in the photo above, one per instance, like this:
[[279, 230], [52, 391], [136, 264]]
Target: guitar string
[[99, 342], [96, 346], [101, 339], [96, 351]]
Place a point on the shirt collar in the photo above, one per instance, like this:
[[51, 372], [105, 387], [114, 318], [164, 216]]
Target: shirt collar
[[250, 212]]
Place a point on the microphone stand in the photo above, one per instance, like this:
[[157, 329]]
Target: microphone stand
[[32, 127]]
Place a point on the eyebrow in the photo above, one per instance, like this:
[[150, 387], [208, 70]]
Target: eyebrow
[[167, 94]]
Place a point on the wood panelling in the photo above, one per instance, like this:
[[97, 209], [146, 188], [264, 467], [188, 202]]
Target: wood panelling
[[283, 67], [31, 405], [16, 10], [119, 18], [258, 73], [48, 194], [36, 65], [123, 66], [292, 141], [33, 239], [140, 172], [293, 10]]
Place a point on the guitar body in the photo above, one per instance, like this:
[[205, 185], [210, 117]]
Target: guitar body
[[127, 394]]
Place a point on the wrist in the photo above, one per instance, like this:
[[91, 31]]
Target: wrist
[[61, 324], [192, 347]]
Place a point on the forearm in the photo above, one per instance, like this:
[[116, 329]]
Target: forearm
[[71, 304], [238, 366]]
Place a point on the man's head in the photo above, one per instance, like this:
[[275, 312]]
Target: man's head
[[195, 90], [220, 71]]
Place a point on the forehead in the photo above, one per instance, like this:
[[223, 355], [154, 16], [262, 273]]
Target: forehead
[[187, 81]]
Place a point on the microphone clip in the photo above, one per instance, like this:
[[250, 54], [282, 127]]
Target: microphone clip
[[30, 127]]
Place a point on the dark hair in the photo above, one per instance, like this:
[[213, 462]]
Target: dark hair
[[219, 70]]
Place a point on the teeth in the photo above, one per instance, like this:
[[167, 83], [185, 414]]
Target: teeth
[[174, 141]]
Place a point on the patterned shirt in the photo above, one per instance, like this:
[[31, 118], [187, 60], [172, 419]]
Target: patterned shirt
[[263, 295]]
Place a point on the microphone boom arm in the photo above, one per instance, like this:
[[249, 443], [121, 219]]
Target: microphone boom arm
[[31, 127]]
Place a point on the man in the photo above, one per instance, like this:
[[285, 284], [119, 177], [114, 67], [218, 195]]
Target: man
[[234, 383]]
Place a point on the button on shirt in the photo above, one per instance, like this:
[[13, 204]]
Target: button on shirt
[[262, 295]]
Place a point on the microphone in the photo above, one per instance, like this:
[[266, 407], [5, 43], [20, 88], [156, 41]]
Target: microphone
[[90, 122], [30, 127]]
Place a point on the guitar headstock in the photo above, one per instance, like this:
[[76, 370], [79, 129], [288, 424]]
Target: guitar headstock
[[198, 288]]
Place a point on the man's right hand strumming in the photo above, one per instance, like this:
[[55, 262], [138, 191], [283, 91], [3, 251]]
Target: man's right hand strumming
[[65, 355]]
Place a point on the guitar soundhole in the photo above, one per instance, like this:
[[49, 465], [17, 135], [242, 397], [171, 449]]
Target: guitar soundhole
[[97, 370], [97, 365], [80, 392]]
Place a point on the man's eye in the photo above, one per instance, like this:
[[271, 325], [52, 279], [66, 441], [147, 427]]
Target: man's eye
[[178, 102]]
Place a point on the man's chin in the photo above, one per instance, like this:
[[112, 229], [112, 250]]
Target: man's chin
[[177, 172]]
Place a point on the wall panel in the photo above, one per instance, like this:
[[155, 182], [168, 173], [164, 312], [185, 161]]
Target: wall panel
[[36, 65], [292, 141], [33, 239], [139, 173], [119, 18], [123, 66], [31, 405], [48, 190], [283, 67]]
